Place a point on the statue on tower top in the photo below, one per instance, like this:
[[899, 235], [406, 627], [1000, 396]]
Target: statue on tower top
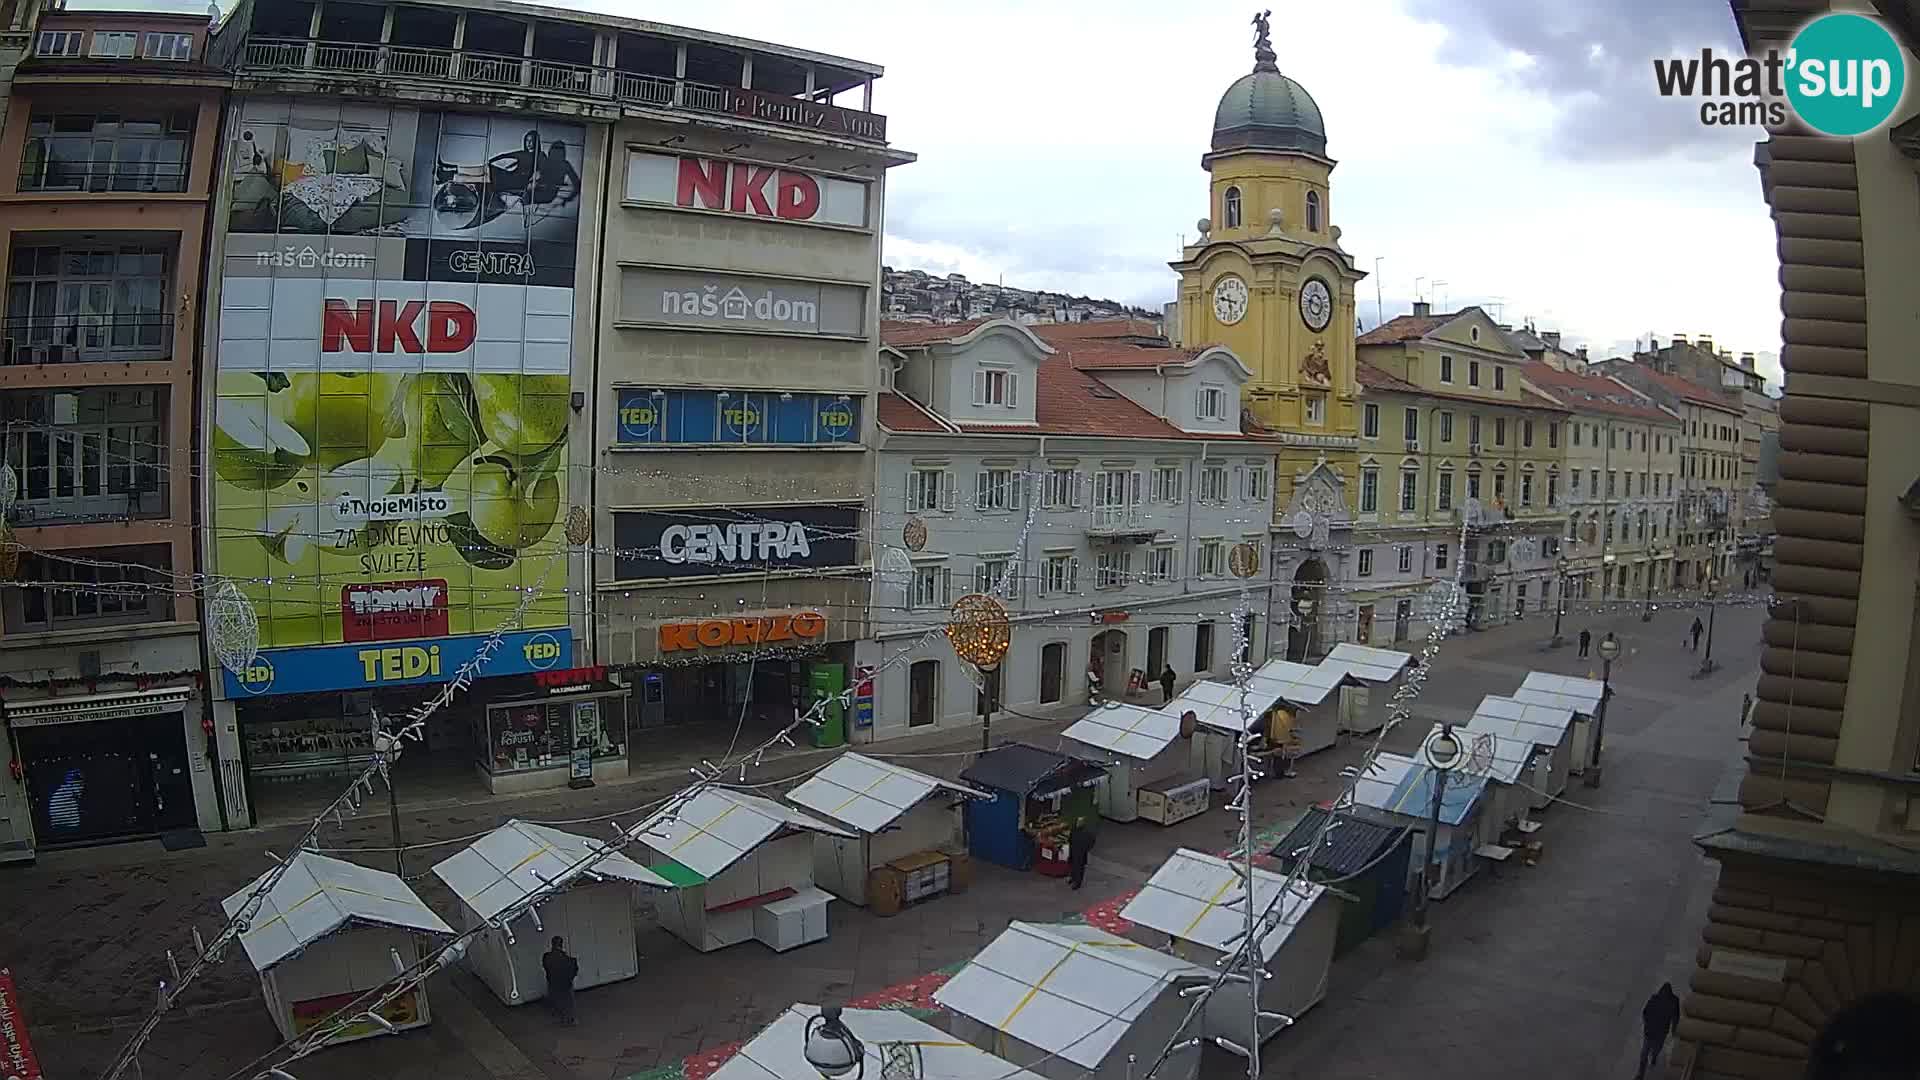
[[1264, 58]]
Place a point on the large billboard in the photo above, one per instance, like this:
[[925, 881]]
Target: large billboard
[[394, 370]]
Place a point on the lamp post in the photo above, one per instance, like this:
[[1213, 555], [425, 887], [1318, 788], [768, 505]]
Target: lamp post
[[1306, 620], [1442, 752], [978, 629], [832, 1049], [1559, 599], [1609, 651], [1713, 608], [1646, 613]]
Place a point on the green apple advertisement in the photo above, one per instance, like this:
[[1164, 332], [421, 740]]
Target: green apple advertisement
[[394, 369]]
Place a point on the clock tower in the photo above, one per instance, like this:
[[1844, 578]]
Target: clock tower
[[1268, 278]]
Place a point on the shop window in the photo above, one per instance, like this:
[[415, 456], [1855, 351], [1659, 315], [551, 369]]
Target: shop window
[[94, 587], [523, 736]]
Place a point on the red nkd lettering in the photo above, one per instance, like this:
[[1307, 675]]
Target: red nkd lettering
[[740, 188], [392, 326]]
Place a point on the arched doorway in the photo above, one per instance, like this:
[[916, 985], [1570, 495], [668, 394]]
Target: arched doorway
[[1878, 1035], [1107, 658], [1307, 604]]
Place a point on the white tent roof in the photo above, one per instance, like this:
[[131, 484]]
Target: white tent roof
[[1544, 724], [1070, 990], [318, 895], [777, 1053], [1300, 684], [1217, 705], [1563, 691], [717, 827], [1509, 752], [1377, 784], [515, 860], [869, 794], [1126, 729], [1189, 898], [1365, 662]]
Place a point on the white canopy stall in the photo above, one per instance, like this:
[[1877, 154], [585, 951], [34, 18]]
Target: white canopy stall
[[1509, 760], [896, 1044], [894, 812], [1398, 791], [1073, 1002], [1359, 713], [1142, 748], [328, 932], [1195, 899], [1550, 728], [1567, 692], [741, 866], [1313, 726], [594, 914], [1214, 751]]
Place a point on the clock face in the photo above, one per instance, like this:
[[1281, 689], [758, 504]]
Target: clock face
[[1230, 300], [1316, 304]]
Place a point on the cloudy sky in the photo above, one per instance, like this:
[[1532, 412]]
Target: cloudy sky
[[1514, 150]]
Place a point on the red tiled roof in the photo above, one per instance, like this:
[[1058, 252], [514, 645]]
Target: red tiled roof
[[1405, 328], [1373, 378], [1686, 390], [1094, 329], [1104, 355], [909, 334], [898, 413], [1591, 393], [1071, 402]]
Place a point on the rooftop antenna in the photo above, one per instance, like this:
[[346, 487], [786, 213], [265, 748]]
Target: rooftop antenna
[[1440, 290], [1378, 318], [1416, 287]]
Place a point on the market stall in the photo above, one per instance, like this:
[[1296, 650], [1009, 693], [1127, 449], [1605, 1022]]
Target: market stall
[[594, 914], [1141, 749], [1550, 727], [1582, 696], [1183, 900], [1038, 797], [1311, 721], [1359, 711], [329, 931], [907, 830], [1073, 1002], [1514, 768], [742, 868], [1367, 859], [1398, 792], [1219, 716], [893, 1043]]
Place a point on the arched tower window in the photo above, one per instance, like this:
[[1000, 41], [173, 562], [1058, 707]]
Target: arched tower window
[[1232, 211], [1313, 211]]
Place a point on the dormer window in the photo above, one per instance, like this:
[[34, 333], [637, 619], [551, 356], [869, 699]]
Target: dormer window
[[1212, 403], [1231, 212], [996, 386], [1313, 211]]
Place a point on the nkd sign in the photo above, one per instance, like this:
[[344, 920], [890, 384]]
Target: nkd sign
[[745, 188], [733, 302]]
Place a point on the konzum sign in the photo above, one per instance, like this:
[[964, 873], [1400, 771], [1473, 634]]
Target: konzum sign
[[803, 626], [745, 188]]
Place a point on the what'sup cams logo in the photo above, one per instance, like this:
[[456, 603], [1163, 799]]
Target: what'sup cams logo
[[1842, 75]]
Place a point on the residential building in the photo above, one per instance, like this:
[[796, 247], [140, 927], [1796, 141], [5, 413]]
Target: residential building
[[1621, 486], [18, 20], [1096, 486], [573, 279], [1710, 463], [1269, 280], [1449, 428], [106, 172], [1819, 883]]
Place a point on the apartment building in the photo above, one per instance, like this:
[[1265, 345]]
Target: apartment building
[[106, 171], [1454, 441], [1101, 484], [1819, 885]]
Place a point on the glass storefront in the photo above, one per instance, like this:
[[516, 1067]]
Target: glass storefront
[[574, 731]]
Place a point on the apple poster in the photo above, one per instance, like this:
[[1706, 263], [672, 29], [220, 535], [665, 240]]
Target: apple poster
[[394, 369]]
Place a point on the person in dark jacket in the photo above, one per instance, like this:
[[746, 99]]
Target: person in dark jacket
[[561, 969], [1586, 639], [1167, 679], [1698, 629], [1657, 1019], [1079, 846]]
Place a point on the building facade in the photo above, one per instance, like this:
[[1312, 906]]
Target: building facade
[[107, 165], [1096, 487], [1818, 895], [540, 361]]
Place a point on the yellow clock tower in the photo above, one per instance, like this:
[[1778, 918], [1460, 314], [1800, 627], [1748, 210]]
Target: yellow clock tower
[[1268, 278]]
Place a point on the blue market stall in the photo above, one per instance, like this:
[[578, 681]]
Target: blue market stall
[[1038, 797]]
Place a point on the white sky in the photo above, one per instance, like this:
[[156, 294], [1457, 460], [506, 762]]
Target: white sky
[[1514, 149]]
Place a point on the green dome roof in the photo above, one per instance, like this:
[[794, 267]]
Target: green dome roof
[[1266, 110]]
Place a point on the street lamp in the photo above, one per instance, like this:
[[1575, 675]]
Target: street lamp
[[978, 629], [1713, 608], [832, 1049], [1609, 652], [1559, 600], [1442, 752]]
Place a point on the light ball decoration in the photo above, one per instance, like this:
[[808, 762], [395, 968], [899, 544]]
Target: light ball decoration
[[233, 627], [579, 526], [978, 629], [914, 535], [1243, 561]]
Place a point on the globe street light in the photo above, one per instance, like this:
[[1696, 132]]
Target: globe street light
[[1609, 651], [832, 1049], [978, 629], [1442, 752]]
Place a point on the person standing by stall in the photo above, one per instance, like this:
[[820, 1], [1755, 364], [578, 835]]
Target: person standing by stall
[[1167, 679], [561, 969], [1079, 846]]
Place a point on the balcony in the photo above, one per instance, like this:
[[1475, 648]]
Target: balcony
[[1123, 524], [83, 339], [452, 69], [86, 455], [138, 152]]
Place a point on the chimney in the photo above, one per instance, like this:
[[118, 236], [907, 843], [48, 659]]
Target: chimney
[[1581, 352], [1422, 309], [1746, 361], [1679, 339], [1552, 338], [1705, 341]]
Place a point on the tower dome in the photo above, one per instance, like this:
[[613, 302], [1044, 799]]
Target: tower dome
[[1265, 110]]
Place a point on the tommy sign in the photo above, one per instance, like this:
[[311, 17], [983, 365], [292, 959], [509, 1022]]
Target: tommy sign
[[727, 302], [745, 188], [708, 541]]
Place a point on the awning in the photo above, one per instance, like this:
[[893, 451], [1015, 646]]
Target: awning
[[89, 707]]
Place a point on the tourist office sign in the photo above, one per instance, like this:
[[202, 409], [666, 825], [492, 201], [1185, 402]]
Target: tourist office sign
[[654, 297]]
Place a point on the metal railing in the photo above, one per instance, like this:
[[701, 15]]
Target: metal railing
[[42, 170], [81, 339], [1117, 518], [551, 77]]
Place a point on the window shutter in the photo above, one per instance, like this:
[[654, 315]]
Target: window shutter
[[1013, 579], [1013, 390], [1016, 490], [982, 489], [947, 484], [1135, 482], [1240, 480], [1073, 574], [946, 585], [1079, 486], [979, 387]]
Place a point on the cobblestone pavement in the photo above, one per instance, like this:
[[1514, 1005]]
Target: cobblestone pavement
[[1544, 964]]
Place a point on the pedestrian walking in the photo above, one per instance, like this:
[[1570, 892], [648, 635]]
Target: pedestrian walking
[[1167, 679], [1657, 1018], [561, 969], [1079, 846], [1698, 629], [1586, 639]]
